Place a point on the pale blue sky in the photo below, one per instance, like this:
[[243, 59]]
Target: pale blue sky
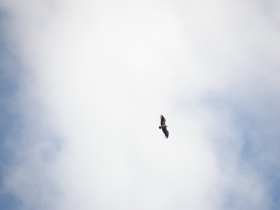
[[9, 117]]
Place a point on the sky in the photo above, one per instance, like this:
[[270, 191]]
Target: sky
[[82, 87]]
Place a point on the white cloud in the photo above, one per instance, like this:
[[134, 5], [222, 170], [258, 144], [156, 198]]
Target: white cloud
[[98, 75]]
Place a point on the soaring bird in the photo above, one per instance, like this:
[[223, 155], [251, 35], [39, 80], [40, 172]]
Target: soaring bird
[[163, 126]]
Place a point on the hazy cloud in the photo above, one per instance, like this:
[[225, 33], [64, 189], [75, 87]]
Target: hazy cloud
[[97, 75]]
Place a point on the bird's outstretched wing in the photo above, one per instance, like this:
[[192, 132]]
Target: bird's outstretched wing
[[162, 121], [165, 131]]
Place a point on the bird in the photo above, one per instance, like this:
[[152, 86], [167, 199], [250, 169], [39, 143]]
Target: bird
[[163, 126]]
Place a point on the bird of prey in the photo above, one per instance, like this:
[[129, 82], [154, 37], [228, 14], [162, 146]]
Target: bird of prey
[[163, 126]]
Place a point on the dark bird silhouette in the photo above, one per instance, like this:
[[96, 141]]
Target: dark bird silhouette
[[163, 126]]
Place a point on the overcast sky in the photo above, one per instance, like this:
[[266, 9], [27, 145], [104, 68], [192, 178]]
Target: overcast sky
[[83, 84]]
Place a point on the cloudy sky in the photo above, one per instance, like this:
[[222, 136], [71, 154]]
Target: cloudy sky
[[83, 84]]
